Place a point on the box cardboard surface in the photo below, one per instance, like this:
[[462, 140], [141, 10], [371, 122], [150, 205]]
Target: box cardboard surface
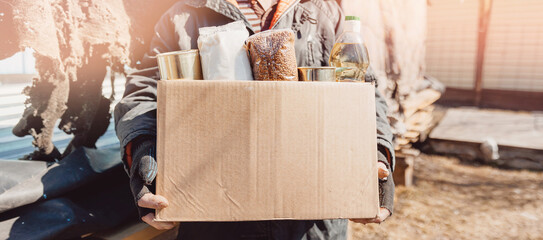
[[258, 150]]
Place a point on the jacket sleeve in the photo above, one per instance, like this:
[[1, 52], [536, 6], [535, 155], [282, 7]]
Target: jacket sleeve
[[385, 147], [135, 114], [384, 132]]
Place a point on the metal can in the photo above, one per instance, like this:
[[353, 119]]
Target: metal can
[[180, 65], [317, 74]]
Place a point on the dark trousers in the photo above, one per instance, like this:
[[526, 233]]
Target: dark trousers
[[284, 230]]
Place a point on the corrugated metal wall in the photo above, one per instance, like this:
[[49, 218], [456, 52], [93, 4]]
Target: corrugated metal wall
[[451, 47], [514, 49]]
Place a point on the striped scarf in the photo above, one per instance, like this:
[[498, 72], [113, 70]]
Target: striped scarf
[[282, 6]]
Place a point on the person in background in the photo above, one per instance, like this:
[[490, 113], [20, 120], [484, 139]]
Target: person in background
[[316, 23]]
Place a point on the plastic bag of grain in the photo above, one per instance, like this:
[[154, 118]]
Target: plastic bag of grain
[[222, 52], [272, 55]]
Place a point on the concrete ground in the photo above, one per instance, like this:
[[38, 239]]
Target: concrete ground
[[452, 199]]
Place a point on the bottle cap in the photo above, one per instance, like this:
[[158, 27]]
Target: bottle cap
[[347, 18], [352, 24]]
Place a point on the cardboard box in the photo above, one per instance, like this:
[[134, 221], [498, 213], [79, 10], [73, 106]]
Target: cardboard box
[[258, 150]]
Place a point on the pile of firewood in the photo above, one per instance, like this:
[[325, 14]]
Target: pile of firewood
[[412, 123], [416, 113]]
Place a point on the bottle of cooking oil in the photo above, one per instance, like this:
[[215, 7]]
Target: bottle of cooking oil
[[349, 54]]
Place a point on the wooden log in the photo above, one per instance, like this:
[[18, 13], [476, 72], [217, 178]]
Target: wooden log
[[418, 117], [400, 143], [412, 136], [419, 101], [410, 152], [421, 125]]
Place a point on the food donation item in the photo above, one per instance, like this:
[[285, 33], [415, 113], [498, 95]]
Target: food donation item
[[180, 65], [272, 55], [223, 53], [317, 74], [349, 54]]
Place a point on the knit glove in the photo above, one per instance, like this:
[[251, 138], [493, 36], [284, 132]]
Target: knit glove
[[143, 170], [386, 187]]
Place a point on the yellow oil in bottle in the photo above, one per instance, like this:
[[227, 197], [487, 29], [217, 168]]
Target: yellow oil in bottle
[[351, 61]]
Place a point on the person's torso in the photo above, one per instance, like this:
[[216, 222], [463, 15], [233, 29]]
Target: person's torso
[[314, 23]]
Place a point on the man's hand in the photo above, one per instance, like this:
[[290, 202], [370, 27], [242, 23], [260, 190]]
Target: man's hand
[[382, 171], [143, 171], [156, 202], [383, 212]]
